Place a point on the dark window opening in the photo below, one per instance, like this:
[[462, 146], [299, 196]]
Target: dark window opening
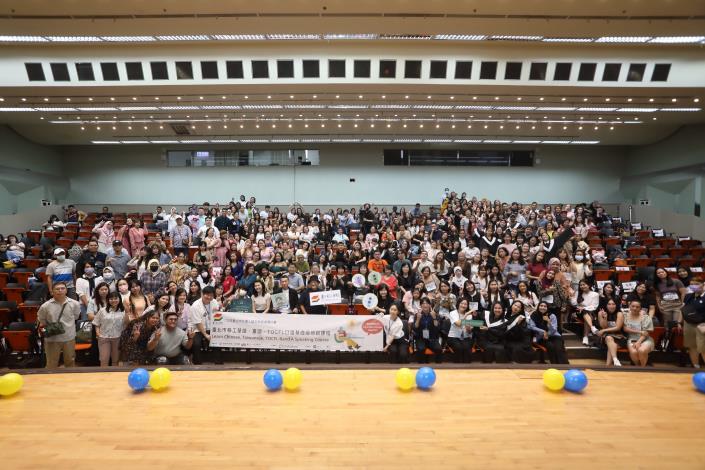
[[463, 69], [209, 70], [488, 70], [285, 68], [439, 69], [562, 72], [84, 70], [587, 72], [311, 69], [60, 72], [636, 72], [512, 71], [611, 72], [336, 69], [134, 71], [660, 73], [538, 71], [109, 71], [35, 72], [412, 69], [234, 69], [159, 71], [260, 69], [362, 69], [184, 71], [387, 69]]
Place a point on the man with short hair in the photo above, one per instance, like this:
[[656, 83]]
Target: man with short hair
[[62, 270], [180, 237], [118, 259], [161, 219], [169, 342], [200, 319], [296, 281], [293, 305], [65, 311], [93, 256]]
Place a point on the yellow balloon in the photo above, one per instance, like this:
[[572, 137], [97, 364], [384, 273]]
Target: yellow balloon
[[160, 378], [553, 379], [292, 378], [10, 384], [405, 379]]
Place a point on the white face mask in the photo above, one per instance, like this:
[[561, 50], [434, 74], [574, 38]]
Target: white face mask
[[61, 258], [578, 257], [123, 289]]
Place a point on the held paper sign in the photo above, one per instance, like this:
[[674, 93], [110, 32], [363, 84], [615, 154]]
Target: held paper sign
[[297, 332], [280, 301], [326, 297]]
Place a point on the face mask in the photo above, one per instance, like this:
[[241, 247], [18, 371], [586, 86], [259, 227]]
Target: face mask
[[204, 275], [89, 271], [154, 268], [123, 289], [579, 258], [694, 288], [61, 258], [108, 276]]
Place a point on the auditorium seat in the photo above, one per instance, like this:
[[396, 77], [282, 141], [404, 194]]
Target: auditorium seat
[[33, 263], [34, 235], [13, 292], [656, 252], [22, 275], [697, 252], [690, 243], [625, 276], [603, 274], [8, 310], [677, 252], [29, 310], [636, 251], [338, 309], [4, 278], [640, 262], [664, 262]]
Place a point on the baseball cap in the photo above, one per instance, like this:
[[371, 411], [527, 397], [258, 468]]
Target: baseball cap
[[117, 242], [59, 251]]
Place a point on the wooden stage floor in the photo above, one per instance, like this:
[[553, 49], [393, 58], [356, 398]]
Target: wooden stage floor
[[354, 419]]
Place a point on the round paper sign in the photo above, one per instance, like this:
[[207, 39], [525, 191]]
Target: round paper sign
[[369, 301]]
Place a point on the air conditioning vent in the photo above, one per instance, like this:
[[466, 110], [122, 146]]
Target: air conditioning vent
[[181, 129]]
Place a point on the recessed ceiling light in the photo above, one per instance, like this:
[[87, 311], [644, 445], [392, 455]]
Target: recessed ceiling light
[[290, 97], [629, 100], [161, 127], [389, 125], [541, 99], [496, 98], [696, 100], [24, 99], [200, 97], [653, 119], [469, 126], [404, 125], [315, 96], [501, 127], [452, 97], [486, 126], [585, 99], [83, 128], [246, 97], [611, 128], [337, 97], [673, 100], [269, 97], [241, 126], [156, 98], [517, 127], [438, 126], [607, 99], [372, 125], [353, 126], [130, 127], [384, 97], [533, 127], [420, 125], [596, 127], [257, 126], [565, 127], [428, 97], [580, 128], [209, 126], [134, 98], [46, 99], [562, 99], [549, 127], [97, 128], [651, 100], [305, 125], [41, 118], [114, 128]]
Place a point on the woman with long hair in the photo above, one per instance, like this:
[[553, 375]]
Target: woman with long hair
[[136, 336], [109, 323]]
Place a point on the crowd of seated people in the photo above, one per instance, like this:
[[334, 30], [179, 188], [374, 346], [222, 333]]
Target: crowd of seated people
[[472, 276]]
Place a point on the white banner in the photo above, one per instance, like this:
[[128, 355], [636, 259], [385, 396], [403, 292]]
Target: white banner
[[297, 332], [325, 297]]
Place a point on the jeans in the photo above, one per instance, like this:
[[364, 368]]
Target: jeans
[[462, 349], [180, 359]]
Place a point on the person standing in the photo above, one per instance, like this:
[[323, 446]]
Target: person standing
[[201, 316], [109, 323], [60, 313], [62, 270], [181, 237], [118, 259]]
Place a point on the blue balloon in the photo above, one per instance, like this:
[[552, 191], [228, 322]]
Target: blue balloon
[[138, 379], [425, 378], [273, 379], [699, 381], [575, 380]]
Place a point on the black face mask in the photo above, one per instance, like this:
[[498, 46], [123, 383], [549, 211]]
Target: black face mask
[[154, 268]]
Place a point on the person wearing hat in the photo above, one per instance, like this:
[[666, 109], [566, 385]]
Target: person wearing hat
[[305, 299], [62, 270], [118, 258], [181, 236], [153, 279]]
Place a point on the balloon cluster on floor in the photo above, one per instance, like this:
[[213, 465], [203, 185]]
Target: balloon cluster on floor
[[573, 380], [291, 379], [159, 379], [10, 384], [424, 379]]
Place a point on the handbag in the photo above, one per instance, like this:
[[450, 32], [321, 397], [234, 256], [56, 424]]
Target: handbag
[[84, 332], [55, 328]]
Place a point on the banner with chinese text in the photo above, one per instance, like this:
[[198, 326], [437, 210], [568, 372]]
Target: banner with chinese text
[[297, 332]]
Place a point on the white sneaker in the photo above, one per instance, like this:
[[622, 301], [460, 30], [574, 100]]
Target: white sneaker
[[594, 330], [616, 362], [585, 341]]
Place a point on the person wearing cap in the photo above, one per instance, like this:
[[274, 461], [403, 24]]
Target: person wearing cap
[[118, 258], [181, 236], [153, 279], [305, 299], [62, 270]]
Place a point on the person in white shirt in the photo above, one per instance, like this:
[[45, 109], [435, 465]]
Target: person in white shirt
[[586, 302], [340, 237], [459, 334], [395, 342], [201, 233], [201, 316]]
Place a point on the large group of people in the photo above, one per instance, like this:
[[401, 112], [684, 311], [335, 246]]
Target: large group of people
[[471, 275]]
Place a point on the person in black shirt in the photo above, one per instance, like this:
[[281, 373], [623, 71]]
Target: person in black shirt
[[293, 296], [427, 326], [93, 256], [305, 299], [223, 223], [367, 218]]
